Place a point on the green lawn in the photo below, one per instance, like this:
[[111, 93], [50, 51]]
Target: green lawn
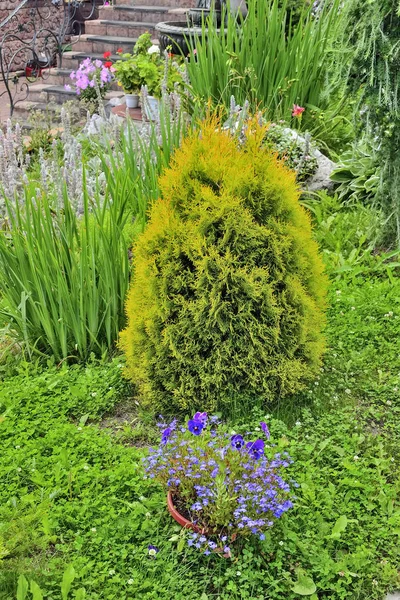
[[72, 492]]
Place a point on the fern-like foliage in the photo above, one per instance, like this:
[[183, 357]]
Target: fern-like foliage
[[374, 30]]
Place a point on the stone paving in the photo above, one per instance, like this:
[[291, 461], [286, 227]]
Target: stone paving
[[393, 596]]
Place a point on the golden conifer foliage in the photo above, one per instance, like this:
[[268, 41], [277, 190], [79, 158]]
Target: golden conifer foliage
[[228, 294]]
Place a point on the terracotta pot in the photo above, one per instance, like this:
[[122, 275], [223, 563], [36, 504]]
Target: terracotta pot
[[186, 524], [179, 518]]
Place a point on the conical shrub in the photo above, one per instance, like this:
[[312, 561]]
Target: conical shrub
[[228, 294]]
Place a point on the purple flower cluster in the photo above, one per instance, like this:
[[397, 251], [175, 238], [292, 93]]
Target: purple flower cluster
[[89, 72], [228, 486]]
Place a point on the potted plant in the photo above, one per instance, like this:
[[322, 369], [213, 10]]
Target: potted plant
[[219, 485], [92, 80], [127, 74], [147, 70]]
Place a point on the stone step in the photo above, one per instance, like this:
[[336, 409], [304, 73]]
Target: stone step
[[131, 29], [58, 76], [44, 92], [104, 43], [24, 109], [148, 14], [72, 59]]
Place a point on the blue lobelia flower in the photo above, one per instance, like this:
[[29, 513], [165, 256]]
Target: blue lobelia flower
[[255, 449], [195, 427], [165, 435], [200, 416], [265, 429], [237, 441]]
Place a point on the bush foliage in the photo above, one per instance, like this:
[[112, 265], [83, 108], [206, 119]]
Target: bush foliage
[[227, 300]]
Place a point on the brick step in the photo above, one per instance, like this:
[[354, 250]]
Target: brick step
[[147, 14], [131, 29], [104, 43], [42, 92]]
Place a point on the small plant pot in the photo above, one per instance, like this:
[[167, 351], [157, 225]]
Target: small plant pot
[[152, 108], [186, 524], [132, 100]]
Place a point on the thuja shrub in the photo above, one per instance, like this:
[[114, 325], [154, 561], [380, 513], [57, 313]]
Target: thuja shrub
[[227, 299]]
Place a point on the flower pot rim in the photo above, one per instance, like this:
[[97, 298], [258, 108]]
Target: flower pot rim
[[175, 514], [186, 524]]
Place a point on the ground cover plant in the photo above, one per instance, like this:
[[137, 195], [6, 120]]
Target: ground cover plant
[[74, 493]]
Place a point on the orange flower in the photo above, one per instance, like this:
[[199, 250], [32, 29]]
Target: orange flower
[[106, 54]]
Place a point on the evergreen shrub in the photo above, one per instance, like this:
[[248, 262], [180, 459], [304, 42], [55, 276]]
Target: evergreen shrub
[[228, 294]]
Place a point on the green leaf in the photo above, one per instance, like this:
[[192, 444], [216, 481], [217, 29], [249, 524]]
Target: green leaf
[[68, 578], [83, 419], [323, 445], [204, 596], [22, 588], [304, 586], [36, 591], [80, 594], [339, 526], [181, 544]]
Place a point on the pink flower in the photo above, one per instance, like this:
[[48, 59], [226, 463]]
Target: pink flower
[[67, 88], [297, 110]]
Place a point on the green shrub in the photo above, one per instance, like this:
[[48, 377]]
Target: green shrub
[[228, 293]]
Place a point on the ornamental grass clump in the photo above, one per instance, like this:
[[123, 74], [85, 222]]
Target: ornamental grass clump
[[227, 300], [228, 487]]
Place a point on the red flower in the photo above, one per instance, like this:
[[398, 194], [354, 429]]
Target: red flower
[[119, 51], [106, 54], [108, 64], [297, 110]]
